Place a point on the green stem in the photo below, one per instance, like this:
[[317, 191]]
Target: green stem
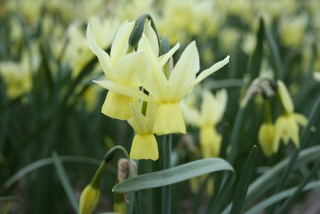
[[166, 190]]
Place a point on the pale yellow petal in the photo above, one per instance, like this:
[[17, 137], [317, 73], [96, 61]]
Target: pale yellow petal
[[152, 38], [138, 121], [169, 119], [165, 57], [210, 141], [210, 70], [144, 147], [301, 119], [117, 106], [285, 97], [184, 72], [191, 114], [132, 69], [103, 57], [293, 130], [120, 44], [125, 90]]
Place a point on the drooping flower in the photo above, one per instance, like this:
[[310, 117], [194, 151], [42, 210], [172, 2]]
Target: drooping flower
[[164, 91], [144, 145], [121, 68], [287, 125], [89, 199], [211, 112]]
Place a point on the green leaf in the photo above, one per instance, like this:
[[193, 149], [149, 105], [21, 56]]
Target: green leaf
[[65, 181], [173, 175], [275, 55], [242, 188], [270, 178], [10, 199], [47, 161], [256, 59], [278, 197]]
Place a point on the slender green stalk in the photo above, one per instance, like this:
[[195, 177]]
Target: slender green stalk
[[166, 190]]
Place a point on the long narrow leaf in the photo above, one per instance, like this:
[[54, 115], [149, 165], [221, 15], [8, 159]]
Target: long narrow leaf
[[280, 196], [65, 181], [44, 162], [173, 175], [242, 188]]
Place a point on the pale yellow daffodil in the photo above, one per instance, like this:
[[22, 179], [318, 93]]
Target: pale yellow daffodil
[[122, 69], [144, 145], [169, 91], [287, 125], [211, 112]]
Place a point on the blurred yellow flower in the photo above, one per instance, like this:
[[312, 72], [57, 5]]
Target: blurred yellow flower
[[144, 145], [17, 77], [287, 125], [266, 138], [211, 112]]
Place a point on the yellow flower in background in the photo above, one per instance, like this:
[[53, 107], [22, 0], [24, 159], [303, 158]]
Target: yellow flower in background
[[211, 112], [266, 139], [316, 75], [17, 76], [144, 145], [287, 125], [89, 199], [122, 69]]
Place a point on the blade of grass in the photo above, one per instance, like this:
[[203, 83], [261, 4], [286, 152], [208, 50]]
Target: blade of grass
[[65, 181], [242, 188]]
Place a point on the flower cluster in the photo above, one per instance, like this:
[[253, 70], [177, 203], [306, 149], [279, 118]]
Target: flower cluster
[[143, 88]]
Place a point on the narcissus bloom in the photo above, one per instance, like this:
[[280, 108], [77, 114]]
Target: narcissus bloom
[[211, 112], [169, 91], [287, 125], [144, 145], [121, 68]]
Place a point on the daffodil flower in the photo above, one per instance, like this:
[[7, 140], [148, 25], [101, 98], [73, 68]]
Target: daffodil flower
[[211, 112], [144, 145], [120, 68], [287, 125], [169, 91]]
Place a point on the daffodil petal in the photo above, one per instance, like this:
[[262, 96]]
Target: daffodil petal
[[166, 57], [103, 57], [285, 97], [138, 121], [210, 70], [120, 44], [117, 106], [184, 72], [125, 90], [301, 119], [279, 127], [132, 69], [152, 38], [144, 147]]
